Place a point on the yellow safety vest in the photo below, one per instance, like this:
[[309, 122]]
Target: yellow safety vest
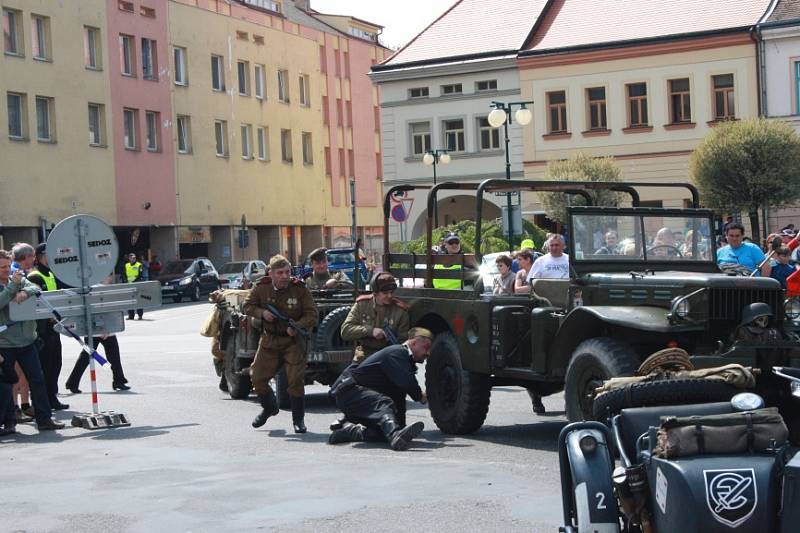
[[448, 284], [132, 271], [49, 280]]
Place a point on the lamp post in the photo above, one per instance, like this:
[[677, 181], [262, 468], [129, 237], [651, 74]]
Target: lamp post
[[434, 157], [501, 115]]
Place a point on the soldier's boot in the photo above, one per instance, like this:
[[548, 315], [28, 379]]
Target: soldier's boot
[[298, 414], [269, 407], [223, 383], [339, 423], [347, 433], [399, 438], [536, 401]]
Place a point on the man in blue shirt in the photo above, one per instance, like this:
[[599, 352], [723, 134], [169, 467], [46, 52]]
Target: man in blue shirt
[[742, 253]]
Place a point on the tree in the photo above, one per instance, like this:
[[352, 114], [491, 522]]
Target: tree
[[492, 237], [748, 164], [582, 168]]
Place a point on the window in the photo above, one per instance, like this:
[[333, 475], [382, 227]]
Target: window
[[557, 112], [96, 125], [179, 55], [12, 32], [263, 152], [489, 136], [242, 35], [126, 54], [363, 34], [270, 5], [148, 12], [283, 86], [17, 123], [420, 138], [454, 135], [243, 71], [149, 63], [129, 120], [40, 37], [286, 145], [184, 135], [259, 79], [217, 74], [247, 141], [454, 88], [637, 105], [797, 87], [680, 107], [418, 92], [221, 137], [723, 97], [152, 120], [91, 48], [487, 85], [125, 6], [308, 150], [305, 99], [596, 98], [45, 129]]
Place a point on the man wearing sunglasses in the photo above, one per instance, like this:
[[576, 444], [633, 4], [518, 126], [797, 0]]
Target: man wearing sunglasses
[[373, 314]]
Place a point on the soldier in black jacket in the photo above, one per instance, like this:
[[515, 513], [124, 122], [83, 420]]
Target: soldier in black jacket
[[372, 395]]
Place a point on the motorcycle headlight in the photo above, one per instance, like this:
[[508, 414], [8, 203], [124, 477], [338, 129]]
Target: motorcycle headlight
[[185, 281], [791, 308], [681, 307]]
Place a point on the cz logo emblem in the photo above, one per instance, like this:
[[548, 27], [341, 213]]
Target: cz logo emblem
[[731, 495]]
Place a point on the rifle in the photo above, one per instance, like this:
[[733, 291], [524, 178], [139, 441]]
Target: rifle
[[303, 332], [390, 336]]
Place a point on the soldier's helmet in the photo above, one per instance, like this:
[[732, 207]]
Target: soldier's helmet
[[754, 311]]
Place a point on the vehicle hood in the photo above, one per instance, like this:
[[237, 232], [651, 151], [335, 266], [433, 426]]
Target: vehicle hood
[[679, 279]]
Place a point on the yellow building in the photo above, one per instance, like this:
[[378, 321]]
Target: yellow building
[[55, 159], [644, 89]]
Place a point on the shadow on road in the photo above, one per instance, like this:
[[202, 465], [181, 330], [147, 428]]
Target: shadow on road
[[118, 433], [538, 436]]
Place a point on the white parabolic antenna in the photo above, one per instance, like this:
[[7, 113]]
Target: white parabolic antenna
[[82, 268]]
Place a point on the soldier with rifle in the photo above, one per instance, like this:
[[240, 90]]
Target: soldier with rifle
[[287, 311]]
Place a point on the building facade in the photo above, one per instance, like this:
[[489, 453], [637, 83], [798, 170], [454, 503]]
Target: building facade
[[259, 122]]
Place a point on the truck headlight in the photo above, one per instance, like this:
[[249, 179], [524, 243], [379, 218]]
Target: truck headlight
[[791, 307], [185, 281], [681, 307]]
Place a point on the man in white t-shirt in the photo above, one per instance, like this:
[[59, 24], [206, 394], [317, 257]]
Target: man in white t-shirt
[[553, 265]]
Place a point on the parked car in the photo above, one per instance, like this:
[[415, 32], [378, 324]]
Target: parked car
[[241, 274], [189, 278], [341, 259]]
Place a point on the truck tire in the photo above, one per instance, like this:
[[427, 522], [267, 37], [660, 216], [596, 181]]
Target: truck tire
[[592, 362], [282, 390], [238, 385], [458, 398], [329, 336], [662, 392]]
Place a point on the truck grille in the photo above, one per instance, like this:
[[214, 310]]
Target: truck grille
[[727, 303]]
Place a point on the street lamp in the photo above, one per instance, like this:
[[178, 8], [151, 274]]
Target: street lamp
[[434, 157], [501, 116]]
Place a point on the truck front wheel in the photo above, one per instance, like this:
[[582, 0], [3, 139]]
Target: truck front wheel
[[458, 398], [593, 362], [238, 385]]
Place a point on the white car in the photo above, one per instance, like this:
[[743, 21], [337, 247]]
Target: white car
[[241, 274]]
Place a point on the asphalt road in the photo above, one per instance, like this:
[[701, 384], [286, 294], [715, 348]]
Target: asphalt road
[[190, 461]]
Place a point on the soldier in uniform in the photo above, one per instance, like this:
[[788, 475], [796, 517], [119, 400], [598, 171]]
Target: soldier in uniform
[[371, 313], [322, 278], [280, 344], [372, 394]]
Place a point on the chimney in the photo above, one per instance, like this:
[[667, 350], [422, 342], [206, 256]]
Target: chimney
[[305, 5]]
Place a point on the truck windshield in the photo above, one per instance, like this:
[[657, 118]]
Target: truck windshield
[[647, 237]]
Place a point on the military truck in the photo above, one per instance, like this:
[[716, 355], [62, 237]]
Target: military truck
[[614, 311], [328, 354]]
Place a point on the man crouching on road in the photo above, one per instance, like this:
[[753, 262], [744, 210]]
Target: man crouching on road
[[280, 344], [372, 394]]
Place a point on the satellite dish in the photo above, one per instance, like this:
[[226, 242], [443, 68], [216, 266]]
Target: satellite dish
[[81, 268]]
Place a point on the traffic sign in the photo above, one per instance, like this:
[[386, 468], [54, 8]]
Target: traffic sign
[[82, 268], [399, 213]]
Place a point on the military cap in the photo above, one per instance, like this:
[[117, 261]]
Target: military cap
[[278, 261], [420, 332], [319, 254]]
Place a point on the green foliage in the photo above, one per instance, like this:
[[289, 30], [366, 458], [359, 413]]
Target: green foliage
[[493, 238], [743, 165], [582, 168]]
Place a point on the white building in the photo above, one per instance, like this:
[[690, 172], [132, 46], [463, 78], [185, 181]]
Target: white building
[[435, 94]]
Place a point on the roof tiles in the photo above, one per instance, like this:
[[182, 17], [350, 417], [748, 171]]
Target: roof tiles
[[473, 27], [576, 23]]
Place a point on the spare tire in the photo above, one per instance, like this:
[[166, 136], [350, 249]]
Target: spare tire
[[239, 385], [329, 336], [662, 392]]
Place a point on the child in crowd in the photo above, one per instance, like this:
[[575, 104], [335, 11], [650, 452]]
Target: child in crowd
[[781, 269]]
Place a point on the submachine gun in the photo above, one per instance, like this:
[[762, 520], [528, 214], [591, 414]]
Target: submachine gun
[[303, 332]]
